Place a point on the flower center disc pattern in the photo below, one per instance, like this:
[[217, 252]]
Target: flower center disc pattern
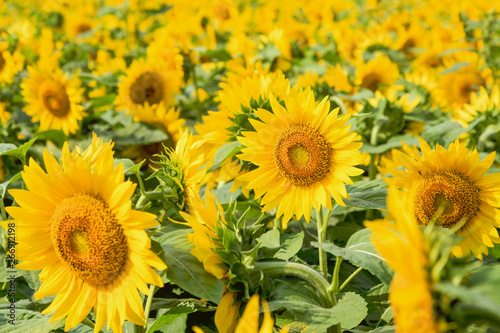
[[453, 191], [55, 98], [147, 88], [302, 155], [88, 239]]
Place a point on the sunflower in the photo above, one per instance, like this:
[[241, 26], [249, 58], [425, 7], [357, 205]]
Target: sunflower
[[147, 83], [484, 110], [4, 115], [480, 103], [455, 89], [187, 158], [377, 72], [52, 97], [76, 24], [402, 245], [75, 223], [236, 99], [237, 102], [304, 155], [337, 77], [10, 63], [452, 190], [168, 120], [202, 218], [249, 321]]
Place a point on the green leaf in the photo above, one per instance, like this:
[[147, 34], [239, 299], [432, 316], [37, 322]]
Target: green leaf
[[367, 194], [135, 168], [224, 152], [183, 268], [479, 298], [56, 136], [128, 164], [285, 246], [12, 150], [5, 185], [454, 68], [495, 250], [474, 306], [6, 147], [138, 134], [385, 329], [269, 52], [394, 142], [378, 297], [290, 245], [219, 55], [103, 101], [351, 309], [349, 312], [108, 79], [443, 133], [223, 193], [360, 252], [168, 303], [454, 50], [341, 233], [486, 281], [27, 318], [31, 278], [170, 316]]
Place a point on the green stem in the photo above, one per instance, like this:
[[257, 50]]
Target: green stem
[[278, 268], [323, 263], [2, 208], [141, 183], [340, 103], [196, 87], [316, 280], [335, 279], [439, 211], [278, 225], [372, 173], [483, 138], [376, 129], [89, 323], [349, 279], [307, 232], [148, 196], [147, 308]]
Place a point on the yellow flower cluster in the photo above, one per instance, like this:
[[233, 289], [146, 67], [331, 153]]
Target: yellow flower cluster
[[289, 101]]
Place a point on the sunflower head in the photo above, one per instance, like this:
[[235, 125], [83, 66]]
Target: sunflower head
[[450, 188], [456, 88], [53, 98], [304, 154], [239, 100], [484, 110], [376, 73], [147, 83], [76, 225]]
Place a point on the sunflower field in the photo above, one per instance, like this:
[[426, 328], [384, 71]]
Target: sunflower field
[[249, 166]]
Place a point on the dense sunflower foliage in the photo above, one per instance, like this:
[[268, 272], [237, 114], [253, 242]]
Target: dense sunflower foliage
[[249, 166]]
